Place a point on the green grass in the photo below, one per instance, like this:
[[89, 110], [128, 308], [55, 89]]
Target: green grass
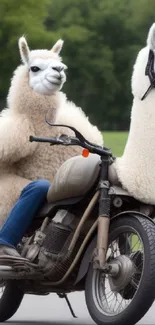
[[115, 141]]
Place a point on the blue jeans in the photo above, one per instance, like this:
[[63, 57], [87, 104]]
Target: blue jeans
[[30, 201]]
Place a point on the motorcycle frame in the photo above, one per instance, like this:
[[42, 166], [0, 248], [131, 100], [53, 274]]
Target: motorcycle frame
[[101, 224], [103, 220], [104, 216]]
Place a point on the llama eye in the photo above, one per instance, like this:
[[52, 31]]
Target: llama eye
[[35, 69]]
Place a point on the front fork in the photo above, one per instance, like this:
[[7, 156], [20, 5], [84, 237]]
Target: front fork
[[103, 218]]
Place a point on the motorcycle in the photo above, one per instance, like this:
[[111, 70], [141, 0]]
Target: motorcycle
[[90, 236]]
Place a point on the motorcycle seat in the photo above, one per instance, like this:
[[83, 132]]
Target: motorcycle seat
[[75, 177]]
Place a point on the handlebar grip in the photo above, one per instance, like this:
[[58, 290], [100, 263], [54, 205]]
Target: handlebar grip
[[45, 140], [38, 139], [31, 138]]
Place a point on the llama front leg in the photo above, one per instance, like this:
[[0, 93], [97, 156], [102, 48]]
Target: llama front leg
[[15, 130]]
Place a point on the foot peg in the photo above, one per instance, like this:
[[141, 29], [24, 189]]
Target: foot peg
[[12, 267]]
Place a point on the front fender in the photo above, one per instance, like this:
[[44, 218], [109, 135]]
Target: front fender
[[133, 215], [87, 258]]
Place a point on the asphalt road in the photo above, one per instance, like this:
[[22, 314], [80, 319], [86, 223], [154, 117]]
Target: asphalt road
[[51, 310]]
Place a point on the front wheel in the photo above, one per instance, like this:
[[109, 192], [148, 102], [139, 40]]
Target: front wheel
[[10, 300], [127, 296]]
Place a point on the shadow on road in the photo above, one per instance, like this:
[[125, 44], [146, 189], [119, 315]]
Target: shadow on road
[[71, 322], [74, 322]]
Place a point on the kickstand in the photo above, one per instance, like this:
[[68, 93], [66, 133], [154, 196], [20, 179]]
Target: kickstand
[[63, 295]]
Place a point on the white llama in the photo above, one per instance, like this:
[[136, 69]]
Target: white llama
[[136, 168], [35, 89]]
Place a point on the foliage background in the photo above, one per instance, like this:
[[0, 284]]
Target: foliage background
[[102, 38]]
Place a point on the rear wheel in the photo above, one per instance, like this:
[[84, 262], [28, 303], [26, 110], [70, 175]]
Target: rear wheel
[[10, 299], [125, 298]]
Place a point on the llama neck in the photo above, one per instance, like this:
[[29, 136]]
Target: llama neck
[[142, 124], [24, 100]]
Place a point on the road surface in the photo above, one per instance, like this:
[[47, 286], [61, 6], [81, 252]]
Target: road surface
[[51, 310]]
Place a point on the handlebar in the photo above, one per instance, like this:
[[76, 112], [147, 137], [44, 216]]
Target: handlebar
[[66, 140]]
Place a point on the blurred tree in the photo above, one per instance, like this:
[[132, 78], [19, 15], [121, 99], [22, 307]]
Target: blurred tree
[[100, 48], [18, 18]]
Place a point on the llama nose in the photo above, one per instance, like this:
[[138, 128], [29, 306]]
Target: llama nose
[[58, 68]]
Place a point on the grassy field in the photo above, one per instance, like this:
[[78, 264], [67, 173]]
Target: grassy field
[[115, 141]]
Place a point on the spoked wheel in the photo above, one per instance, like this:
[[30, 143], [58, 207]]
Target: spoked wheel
[[125, 297], [10, 299]]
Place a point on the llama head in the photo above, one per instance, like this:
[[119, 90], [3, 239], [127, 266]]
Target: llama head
[[140, 78], [46, 71]]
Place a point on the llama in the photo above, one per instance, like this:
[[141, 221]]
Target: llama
[[136, 168], [35, 90]]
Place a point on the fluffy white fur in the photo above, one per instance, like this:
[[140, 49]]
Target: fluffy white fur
[[33, 93], [136, 168]]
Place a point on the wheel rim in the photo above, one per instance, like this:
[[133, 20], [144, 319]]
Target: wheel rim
[[110, 299]]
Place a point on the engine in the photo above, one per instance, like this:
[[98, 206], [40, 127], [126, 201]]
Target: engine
[[54, 255]]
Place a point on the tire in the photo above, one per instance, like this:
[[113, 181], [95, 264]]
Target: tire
[[141, 298], [10, 300]]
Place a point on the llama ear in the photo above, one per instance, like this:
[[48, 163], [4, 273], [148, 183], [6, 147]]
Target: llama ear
[[57, 46], [24, 49], [151, 37]]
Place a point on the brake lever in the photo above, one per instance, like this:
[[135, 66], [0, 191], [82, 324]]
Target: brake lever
[[77, 133]]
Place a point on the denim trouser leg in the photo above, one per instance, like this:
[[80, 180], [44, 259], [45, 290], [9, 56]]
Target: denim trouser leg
[[31, 199]]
